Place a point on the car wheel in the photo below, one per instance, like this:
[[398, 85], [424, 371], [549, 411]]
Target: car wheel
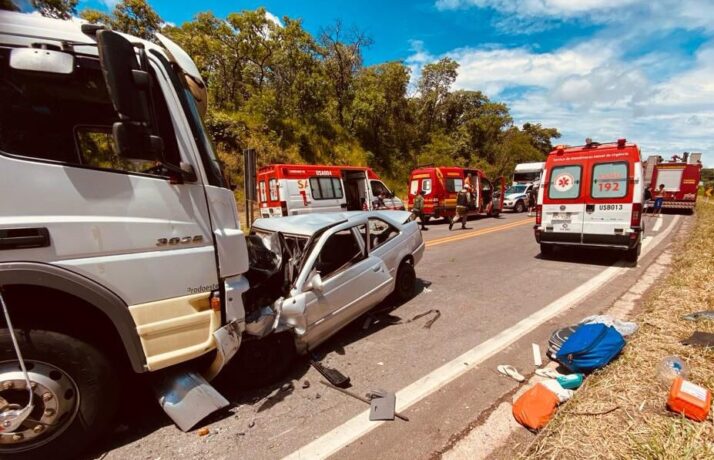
[[546, 250], [633, 253], [519, 207], [405, 286], [75, 394], [262, 362]]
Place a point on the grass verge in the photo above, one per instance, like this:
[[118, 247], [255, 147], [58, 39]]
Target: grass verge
[[641, 427]]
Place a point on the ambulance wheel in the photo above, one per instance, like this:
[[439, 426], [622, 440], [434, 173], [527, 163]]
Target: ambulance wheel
[[406, 282], [633, 254], [75, 394], [520, 207], [546, 250]]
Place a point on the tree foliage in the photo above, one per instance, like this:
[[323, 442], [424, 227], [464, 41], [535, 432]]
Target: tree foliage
[[298, 98], [58, 9]]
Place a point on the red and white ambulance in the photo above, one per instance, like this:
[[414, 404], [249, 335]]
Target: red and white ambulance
[[287, 190], [441, 184], [592, 196]]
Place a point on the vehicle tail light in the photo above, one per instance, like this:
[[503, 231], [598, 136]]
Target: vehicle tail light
[[284, 208], [636, 218], [216, 301], [539, 214]]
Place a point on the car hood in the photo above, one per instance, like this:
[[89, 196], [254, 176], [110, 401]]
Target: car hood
[[515, 196]]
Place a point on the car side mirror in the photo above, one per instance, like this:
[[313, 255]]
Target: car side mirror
[[129, 87], [315, 284]]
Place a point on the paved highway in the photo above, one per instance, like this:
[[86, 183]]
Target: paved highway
[[496, 296]]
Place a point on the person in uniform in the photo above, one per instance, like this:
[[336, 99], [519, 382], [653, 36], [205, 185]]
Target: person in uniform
[[418, 209], [462, 207]]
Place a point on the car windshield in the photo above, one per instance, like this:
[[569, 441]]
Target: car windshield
[[516, 189]]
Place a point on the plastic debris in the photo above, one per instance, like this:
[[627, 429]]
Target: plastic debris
[[625, 328], [670, 368], [690, 400]]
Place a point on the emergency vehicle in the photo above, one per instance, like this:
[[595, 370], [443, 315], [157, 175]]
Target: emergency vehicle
[[680, 176], [287, 190], [592, 196], [441, 184]]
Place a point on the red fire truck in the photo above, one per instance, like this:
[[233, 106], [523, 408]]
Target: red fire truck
[[680, 177], [441, 184], [286, 190]]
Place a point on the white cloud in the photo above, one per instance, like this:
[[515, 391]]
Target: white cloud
[[110, 3], [273, 18], [591, 90]]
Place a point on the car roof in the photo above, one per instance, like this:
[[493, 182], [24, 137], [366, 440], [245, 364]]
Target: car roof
[[309, 224]]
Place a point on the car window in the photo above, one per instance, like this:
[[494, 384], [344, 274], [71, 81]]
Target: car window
[[426, 185], [380, 232], [326, 188], [273, 187], [609, 180], [340, 251], [454, 184], [414, 187], [378, 187], [564, 182], [261, 188], [69, 119]]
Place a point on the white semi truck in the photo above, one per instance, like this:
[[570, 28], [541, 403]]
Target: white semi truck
[[120, 243]]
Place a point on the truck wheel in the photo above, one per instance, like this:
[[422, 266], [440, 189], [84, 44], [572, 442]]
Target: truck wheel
[[546, 250], [75, 394], [520, 207], [633, 254], [262, 362], [405, 286]]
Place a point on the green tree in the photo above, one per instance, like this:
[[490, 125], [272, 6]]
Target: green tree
[[135, 17], [540, 136], [58, 9]]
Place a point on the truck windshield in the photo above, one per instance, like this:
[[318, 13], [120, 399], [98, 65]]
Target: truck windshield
[[530, 176], [516, 189]]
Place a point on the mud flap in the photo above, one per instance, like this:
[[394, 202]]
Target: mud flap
[[228, 340], [187, 398]]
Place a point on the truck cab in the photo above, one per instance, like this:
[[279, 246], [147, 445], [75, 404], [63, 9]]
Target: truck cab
[[592, 196], [119, 237]]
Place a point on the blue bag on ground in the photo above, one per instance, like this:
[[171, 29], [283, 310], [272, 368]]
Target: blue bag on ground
[[590, 347]]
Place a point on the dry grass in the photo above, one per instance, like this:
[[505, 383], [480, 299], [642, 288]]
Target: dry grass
[[641, 427]]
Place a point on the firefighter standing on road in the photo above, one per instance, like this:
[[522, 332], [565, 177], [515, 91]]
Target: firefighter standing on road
[[418, 208], [462, 207]]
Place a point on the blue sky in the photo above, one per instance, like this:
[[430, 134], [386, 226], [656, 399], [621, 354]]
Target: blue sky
[[640, 69]]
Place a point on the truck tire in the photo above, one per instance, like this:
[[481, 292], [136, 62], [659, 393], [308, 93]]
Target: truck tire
[[633, 253], [262, 362], [405, 285], [519, 207], [76, 394], [546, 250]]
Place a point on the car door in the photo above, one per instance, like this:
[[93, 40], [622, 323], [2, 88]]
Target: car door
[[353, 281]]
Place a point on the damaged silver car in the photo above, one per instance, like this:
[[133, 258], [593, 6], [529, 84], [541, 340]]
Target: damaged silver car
[[313, 274]]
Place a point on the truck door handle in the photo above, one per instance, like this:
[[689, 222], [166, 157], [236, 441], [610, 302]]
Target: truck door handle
[[589, 208], [24, 238]]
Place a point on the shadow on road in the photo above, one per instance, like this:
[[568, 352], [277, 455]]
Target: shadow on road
[[142, 416], [589, 256]]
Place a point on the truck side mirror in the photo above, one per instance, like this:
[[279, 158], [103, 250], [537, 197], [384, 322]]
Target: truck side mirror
[[129, 87]]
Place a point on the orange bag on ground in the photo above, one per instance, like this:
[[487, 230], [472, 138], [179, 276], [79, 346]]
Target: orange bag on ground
[[534, 408], [689, 399]]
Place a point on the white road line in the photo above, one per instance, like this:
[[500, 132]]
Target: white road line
[[358, 426], [658, 224]]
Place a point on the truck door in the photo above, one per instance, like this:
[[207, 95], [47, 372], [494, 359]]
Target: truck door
[[563, 203], [609, 206]]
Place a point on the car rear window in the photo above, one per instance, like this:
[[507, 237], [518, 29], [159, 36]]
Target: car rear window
[[564, 182], [609, 180]]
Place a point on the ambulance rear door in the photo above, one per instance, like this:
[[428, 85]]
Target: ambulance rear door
[[608, 210], [564, 204]]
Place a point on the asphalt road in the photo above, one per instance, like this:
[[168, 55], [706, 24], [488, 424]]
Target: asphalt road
[[483, 280]]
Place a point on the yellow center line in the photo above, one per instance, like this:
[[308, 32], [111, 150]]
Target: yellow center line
[[472, 234]]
